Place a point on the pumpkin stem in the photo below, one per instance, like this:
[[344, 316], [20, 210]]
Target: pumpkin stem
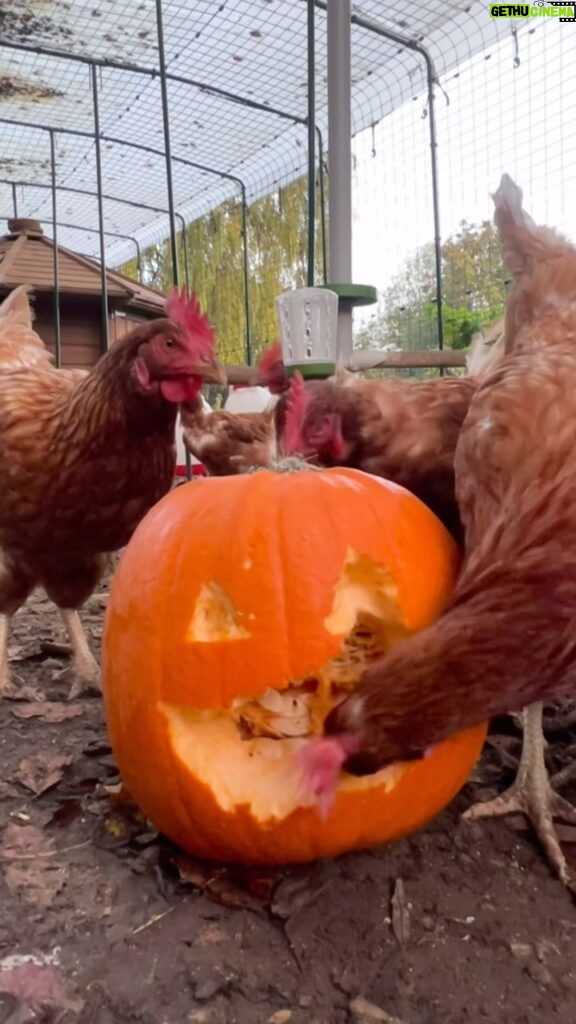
[[287, 464]]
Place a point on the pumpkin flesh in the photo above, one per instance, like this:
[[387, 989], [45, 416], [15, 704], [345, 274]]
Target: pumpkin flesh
[[225, 650]]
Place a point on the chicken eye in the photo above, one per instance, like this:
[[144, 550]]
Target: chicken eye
[[169, 343]]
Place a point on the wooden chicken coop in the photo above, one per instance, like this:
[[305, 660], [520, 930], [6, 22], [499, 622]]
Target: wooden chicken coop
[[27, 257]]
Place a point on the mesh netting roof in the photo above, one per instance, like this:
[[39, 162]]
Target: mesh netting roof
[[222, 56]]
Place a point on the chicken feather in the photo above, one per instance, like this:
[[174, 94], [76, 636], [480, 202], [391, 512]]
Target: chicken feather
[[403, 430], [228, 443], [83, 456], [509, 637]]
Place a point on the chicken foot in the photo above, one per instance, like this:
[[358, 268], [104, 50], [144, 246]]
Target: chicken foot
[[532, 795], [84, 669]]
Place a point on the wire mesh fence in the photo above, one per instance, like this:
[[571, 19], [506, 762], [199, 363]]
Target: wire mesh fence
[[237, 103], [506, 109]]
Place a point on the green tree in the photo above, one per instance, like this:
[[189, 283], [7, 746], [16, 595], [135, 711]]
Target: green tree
[[277, 253], [473, 292]]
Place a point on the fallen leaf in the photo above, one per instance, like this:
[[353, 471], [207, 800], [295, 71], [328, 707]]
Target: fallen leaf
[[108, 761], [55, 650], [42, 771], [400, 914], [236, 888], [226, 891], [116, 793], [24, 842], [50, 711], [96, 748], [66, 813], [521, 949], [261, 882], [15, 652], [29, 871], [190, 870], [115, 831], [212, 935], [39, 986], [22, 694], [364, 1012], [295, 893], [120, 826], [7, 790], [565, 833]]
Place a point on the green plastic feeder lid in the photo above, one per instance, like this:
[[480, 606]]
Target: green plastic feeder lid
[[311, 371], [354, 294]]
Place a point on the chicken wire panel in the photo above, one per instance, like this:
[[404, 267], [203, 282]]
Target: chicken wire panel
[[83, 210], [6, 203], [509, 109], [255, 50], [392, 206], [25, 156]]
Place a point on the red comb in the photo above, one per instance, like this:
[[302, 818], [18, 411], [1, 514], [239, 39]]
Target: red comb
[[186, 312], [270, 369], [296, 405], [270, 357]]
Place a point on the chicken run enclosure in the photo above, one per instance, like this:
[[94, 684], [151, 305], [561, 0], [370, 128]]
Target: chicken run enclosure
[[240, 149], [119, 135]]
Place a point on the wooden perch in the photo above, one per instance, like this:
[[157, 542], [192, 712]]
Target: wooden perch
[[371, 359]]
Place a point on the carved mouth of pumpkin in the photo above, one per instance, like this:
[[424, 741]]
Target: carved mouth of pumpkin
[[245, 753], [300, 709]]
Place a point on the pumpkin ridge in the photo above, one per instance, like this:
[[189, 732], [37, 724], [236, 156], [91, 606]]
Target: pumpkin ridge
[[191, 714]]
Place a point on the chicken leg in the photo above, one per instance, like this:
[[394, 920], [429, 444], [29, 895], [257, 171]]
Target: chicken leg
[[5, 677], [84, 670], [532, 794]]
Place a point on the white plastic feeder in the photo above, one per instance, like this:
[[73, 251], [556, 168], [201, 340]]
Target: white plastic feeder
[[308, 319]]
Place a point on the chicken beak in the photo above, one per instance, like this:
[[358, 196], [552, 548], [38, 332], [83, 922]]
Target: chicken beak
[[212, 373]]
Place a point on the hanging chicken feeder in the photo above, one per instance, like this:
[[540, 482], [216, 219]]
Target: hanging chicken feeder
[[308, 319]]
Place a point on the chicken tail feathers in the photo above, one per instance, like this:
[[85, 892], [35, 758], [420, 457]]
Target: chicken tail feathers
[[524, 244], [20, 346], [17, 307], [514, 226], [508, 203], [486, 350], [187, 312], [292, 440]]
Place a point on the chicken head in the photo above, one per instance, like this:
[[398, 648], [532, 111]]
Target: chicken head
[[176, 356]]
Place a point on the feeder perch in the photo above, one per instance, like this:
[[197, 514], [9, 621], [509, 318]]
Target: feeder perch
[[308, 319]]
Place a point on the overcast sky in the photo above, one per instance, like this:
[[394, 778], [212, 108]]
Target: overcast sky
[[499, 117]]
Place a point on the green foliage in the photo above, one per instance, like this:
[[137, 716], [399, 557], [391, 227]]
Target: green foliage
[[472, 285], [473, 277], [461, 324], [277, 252]]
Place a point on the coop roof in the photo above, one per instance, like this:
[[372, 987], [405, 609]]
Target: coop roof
[[27, 257], [237, 95]]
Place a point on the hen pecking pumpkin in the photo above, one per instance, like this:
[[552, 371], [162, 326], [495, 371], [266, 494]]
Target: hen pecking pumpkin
[[243, 610]]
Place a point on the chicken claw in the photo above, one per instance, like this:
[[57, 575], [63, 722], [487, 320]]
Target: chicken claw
[[532, 795], [84, 670]]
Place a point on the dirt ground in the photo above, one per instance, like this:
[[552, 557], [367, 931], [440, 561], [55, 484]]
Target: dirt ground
[[102, 922]]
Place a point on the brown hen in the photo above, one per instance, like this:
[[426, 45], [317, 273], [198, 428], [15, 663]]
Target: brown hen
[[403, 430], [83, 457], [228, 443], [509, 638]]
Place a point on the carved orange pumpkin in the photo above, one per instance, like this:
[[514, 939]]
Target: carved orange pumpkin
[[243, 608]]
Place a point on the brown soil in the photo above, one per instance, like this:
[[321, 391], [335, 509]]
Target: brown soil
[[103, 922]]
